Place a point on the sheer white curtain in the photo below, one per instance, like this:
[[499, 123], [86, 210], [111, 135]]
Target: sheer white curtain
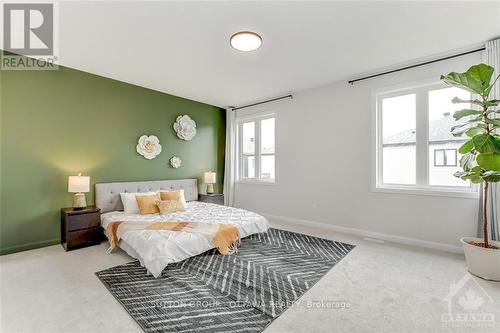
[[492, 58], [230, 158]]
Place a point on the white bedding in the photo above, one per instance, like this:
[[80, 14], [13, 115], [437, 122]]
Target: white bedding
[[155, 249]]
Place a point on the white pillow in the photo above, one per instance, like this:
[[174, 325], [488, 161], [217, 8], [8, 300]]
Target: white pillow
[[130, 202]]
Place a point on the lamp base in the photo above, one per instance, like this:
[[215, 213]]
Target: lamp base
[[210, 188], [79, 201]]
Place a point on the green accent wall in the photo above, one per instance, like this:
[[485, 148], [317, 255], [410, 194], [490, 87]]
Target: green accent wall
[[57, 123]]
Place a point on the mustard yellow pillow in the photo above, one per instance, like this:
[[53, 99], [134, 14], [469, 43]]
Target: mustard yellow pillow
[[147, 204], [174, 195], [170, 195], [170, 206]]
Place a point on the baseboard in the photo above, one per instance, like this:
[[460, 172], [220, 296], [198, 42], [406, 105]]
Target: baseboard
[[29, 246], [291, 220], [367, 233]]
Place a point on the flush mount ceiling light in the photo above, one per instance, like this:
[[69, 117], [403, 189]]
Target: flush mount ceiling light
[[246, 41]]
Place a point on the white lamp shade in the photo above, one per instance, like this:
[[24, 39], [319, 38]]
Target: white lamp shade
[[210, 177], [78, 184]]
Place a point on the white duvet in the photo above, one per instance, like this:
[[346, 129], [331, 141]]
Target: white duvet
[[155, 249]]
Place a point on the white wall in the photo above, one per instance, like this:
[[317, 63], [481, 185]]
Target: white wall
[[324, 167]]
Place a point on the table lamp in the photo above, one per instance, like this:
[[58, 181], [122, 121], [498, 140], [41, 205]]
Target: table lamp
[[79, 185], [210, 180]]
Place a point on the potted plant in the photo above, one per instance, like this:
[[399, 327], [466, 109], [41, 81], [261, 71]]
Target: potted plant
[[480, 160]]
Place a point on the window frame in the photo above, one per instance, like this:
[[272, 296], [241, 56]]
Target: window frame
[[257, 118], [421, 187]]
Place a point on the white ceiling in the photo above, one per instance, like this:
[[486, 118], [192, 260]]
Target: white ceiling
[[182, 48]]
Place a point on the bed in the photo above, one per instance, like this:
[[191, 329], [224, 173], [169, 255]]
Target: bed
[[155, 249]]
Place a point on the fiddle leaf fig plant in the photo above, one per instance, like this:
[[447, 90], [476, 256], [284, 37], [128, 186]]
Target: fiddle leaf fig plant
[[480, 161]]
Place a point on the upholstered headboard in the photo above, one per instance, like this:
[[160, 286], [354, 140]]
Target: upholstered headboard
[[107, 195]]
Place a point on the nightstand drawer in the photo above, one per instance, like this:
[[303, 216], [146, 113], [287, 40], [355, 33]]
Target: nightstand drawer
[[83, 221], [215, 200], [212, 198], [84, 237]]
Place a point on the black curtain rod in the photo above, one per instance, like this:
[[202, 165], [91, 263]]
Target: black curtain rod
[[416, 65], [259, 103]]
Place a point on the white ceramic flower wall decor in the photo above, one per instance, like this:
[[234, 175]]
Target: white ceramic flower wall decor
[[185, 127], [149, 146], [175, 162]]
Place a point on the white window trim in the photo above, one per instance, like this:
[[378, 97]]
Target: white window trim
[[256, 117], [422, 164]]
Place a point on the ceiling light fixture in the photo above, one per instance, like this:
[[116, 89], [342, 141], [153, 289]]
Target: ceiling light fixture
[[246, 41]]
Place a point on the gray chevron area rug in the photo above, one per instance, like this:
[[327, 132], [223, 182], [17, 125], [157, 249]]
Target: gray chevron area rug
[[242, 292]]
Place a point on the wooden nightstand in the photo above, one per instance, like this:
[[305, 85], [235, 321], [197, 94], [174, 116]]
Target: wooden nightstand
[[215, 198], [80, 228]]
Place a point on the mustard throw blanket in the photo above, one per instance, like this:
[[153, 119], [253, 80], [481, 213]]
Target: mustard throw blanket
[[225, 237]]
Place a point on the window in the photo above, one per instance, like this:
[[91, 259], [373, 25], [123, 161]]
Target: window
[[445, 157], [248, 150], [256, 147], [398, 132], [414, 149]]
